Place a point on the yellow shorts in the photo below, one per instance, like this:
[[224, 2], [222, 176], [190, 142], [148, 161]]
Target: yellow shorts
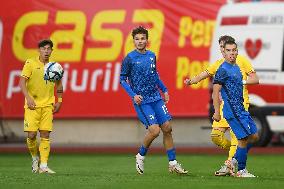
[[38, 119], [223, 122]]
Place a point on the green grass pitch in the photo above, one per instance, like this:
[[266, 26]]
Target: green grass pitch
[[118, 171]]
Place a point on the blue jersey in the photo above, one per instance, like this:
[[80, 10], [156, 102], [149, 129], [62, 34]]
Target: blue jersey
[[230, 77], [139, 76]]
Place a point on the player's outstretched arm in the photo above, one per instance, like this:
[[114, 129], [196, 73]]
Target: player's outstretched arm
[[216, 102], [252, 79], [197, 79]]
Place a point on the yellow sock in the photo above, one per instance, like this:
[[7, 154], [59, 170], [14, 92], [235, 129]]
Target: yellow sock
[[234, 145], [32, 146], [44, 149], [219, 139]]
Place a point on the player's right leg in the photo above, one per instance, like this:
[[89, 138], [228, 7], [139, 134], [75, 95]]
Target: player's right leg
[[31, 120], [146, 115], [218, 132], [218, 138]]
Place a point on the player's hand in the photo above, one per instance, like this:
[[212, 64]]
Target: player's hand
[[31, 103], [216, 117], [166, 97], [188, 81], [138, 99], [56, 107]]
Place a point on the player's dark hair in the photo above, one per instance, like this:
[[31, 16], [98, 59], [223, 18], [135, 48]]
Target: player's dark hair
[[230, 42], [140, 30], [226, 38], [44, 42]]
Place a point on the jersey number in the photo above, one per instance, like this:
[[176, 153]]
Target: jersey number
[[165, 109]]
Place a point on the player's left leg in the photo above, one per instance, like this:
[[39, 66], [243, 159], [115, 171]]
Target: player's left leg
[[241, 128], [164, 118], [44, 147], [174, 166]]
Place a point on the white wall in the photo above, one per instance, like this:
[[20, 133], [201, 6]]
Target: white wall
[[116, 132]]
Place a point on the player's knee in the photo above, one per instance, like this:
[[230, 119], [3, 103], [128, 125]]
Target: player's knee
[[154, 131], [44, 134], [254, 138], [243, 142], [166, 128], [32, 135], [218, 138]]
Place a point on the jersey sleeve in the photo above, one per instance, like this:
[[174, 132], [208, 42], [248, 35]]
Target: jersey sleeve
[[220, 77], [162, 86], [160, 83], [212, 68], [27, 70], [247, 65], [124, 74]]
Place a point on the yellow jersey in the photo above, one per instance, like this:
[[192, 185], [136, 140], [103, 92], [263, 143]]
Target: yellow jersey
[[40, 90], [245, 67]]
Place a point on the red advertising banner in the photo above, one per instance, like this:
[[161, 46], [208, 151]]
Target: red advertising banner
[[91, 38]]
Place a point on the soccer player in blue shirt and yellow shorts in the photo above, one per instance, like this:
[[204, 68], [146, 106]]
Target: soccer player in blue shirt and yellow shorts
[[229, 81], [219, 128], [39, 105], [141, 81]]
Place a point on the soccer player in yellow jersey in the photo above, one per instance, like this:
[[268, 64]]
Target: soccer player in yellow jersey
[[39, 105], [219, 128]]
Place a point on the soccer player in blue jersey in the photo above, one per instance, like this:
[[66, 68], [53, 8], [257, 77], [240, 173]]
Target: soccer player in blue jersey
[[141, 81], [228, 80]]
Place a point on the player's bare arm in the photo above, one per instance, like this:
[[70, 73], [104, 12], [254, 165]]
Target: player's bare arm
[[216, 102], [196, 79], [59, 92], [252, 79], [30, 101], [166, 97]]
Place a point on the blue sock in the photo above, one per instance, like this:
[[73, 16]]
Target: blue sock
[[249, 146], [171, 154], [143, 150], [241, 156]]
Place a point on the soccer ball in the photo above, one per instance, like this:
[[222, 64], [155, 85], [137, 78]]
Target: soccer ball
[[53, 71]]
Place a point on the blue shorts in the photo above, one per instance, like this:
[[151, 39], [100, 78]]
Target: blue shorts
[[153, 113], [242, 126]]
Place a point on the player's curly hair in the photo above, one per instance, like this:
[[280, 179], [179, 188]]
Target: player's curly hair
[[140, 30], [225, 38], [44, 42]]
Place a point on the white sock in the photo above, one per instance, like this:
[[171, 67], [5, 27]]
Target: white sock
[[34, 158], [174, 162], [140, 157], [43, 165]]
